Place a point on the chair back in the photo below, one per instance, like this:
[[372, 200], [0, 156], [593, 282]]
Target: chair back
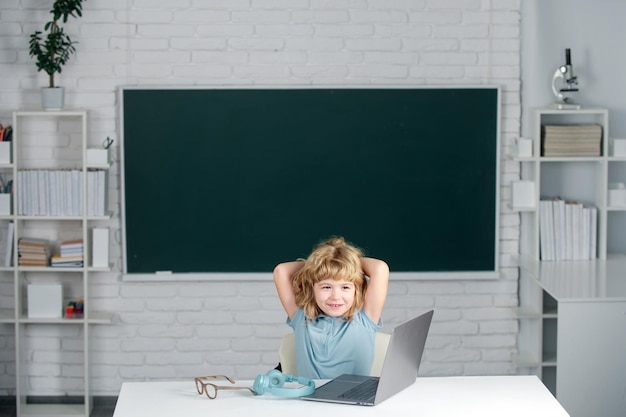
[[287, 354]]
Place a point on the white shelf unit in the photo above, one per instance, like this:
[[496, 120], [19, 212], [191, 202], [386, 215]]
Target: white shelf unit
[[51, 354], [584, 179]]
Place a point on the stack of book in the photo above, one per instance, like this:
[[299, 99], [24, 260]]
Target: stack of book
[[60, 192], [70, 255], [571, 140], [567, 230], [33, 252], [50, 192]]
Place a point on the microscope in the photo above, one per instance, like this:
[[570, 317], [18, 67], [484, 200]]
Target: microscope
[[564, 75]]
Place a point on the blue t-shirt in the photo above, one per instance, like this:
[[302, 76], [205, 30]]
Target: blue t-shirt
[[330, 346]]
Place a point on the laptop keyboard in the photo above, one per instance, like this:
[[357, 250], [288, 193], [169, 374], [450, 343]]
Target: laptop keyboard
[[363, 391]]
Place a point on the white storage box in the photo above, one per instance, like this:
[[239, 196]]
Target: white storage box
[[5, 204], [618, 147], [45, 301], [5, 152], [523, 194], [617, 194], [97, 156], [524, 147], [100, 247]]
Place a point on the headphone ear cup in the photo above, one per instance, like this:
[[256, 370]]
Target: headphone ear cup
[[261, 382], [276, 379]]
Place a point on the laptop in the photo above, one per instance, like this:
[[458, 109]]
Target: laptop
[[400, 367]]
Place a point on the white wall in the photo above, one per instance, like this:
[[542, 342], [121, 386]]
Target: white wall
[[181, 330], [593, 30]]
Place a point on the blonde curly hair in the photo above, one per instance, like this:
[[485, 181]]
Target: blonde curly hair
[[332, 259]]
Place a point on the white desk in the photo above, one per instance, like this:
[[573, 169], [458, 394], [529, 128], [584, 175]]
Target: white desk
[[498, 396], [590, 320]]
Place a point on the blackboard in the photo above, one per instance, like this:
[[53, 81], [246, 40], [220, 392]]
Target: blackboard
[[239, 179]]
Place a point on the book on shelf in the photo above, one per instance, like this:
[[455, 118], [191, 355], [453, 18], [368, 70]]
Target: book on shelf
[[66, 261], [567, 230], [558, 209], [33, 252], [546, 244], [59, 192], [29, 242], [26, 254], [96, 192], [8, 249], [571, 140], [70, 254], [41, 263], [593, 234], [69, 245]]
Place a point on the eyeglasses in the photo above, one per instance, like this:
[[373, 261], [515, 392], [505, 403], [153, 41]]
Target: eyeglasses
[[211, 389]]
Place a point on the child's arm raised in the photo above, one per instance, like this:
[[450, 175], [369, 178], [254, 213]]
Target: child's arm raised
[[378, 273], [283, 279]]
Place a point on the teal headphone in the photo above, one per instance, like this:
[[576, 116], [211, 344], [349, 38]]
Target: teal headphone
[[273, 381]]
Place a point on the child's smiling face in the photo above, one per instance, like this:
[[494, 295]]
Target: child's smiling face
[[334, 297]]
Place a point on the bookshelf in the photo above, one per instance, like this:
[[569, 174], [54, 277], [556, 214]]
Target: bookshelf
[[542, 338], [51, 351]]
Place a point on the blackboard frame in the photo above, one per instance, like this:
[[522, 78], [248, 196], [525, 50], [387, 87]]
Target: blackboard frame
[[172, 274]]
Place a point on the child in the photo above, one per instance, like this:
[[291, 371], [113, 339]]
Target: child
[[334, 300]]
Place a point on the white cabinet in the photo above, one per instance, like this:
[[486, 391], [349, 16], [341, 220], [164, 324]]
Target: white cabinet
[[546, 284], [580, 333], [52, 353], [591, 368]]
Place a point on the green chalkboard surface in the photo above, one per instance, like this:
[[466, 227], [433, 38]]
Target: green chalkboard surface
[[237, 180]]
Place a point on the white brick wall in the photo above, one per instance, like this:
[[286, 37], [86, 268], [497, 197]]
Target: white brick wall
[[180, 330]]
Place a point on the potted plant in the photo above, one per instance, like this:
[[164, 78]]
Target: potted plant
[[53, 49]]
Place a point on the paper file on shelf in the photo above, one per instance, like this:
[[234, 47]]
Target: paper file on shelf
[[100, 247], [567, 230]]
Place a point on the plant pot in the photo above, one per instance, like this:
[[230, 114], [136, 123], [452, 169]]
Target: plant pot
[[52, 98]]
